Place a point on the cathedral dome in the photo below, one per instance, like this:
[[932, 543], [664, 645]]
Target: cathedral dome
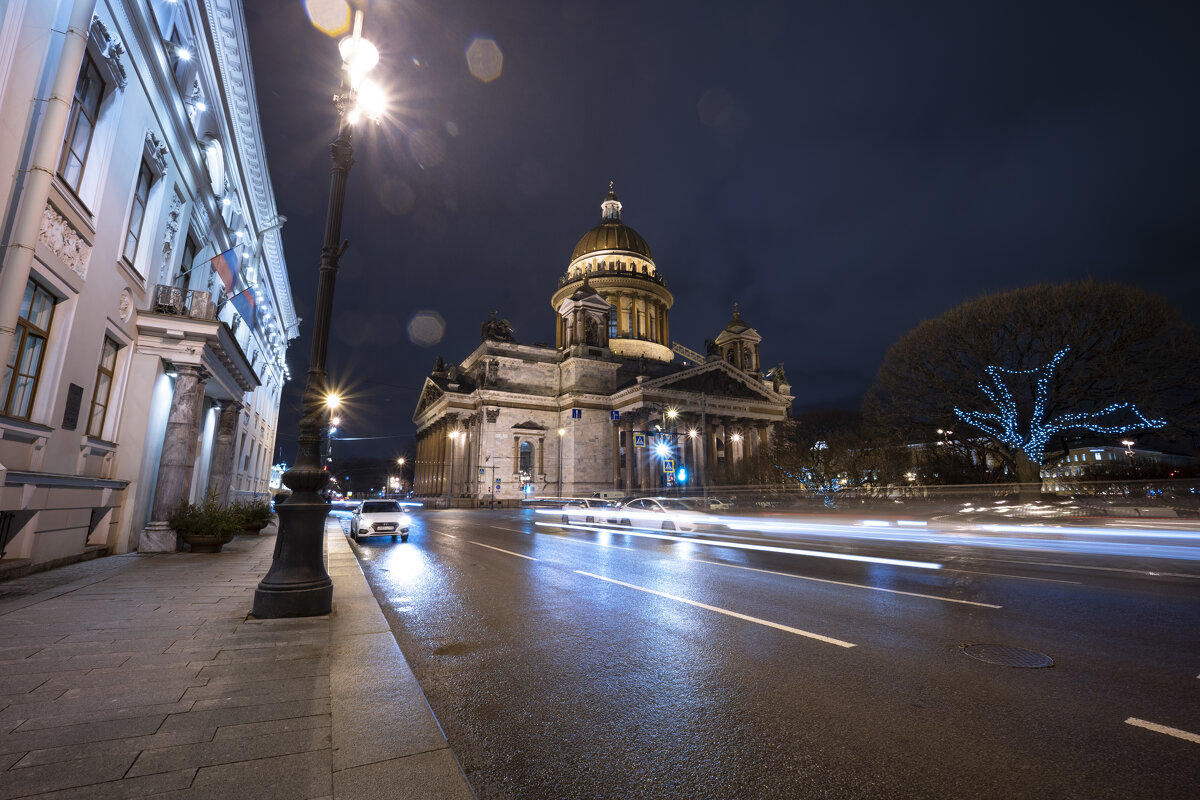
[[612, 234]]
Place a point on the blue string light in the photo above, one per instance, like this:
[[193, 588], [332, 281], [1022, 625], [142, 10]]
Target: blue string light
[[1004, 424]]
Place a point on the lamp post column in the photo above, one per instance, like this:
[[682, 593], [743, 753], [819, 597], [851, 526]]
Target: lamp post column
[[297, 584]]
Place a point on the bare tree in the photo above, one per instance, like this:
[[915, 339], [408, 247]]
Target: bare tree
[[1124, 346]]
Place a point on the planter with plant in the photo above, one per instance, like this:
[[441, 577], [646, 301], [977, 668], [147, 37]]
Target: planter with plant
[[254, 515], [207, 526]]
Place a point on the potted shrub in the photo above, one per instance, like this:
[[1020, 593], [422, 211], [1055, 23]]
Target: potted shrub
[[207, 526], [254, 515]]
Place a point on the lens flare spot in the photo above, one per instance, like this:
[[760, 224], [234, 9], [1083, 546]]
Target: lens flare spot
[[396, 197], [484, 58], [426, 328], [426, 147], [330, 17], [715, 108]]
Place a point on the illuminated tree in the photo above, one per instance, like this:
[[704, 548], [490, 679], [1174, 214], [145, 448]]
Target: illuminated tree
[[1039, 359], [1027, 436]]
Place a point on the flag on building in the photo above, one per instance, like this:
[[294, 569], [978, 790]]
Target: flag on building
[[243, 302], [226, 265]]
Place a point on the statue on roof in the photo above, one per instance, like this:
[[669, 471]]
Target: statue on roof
[[500, 330]]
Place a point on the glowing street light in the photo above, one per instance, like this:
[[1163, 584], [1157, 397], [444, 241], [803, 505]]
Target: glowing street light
[[297, 584]]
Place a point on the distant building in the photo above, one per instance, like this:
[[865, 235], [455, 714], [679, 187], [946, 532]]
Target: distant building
[[1065, 472], [131, 384], [613, 406]]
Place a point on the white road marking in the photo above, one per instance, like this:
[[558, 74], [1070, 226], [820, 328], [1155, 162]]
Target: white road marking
[[1085, 566], [895, 562], [502, 528], [724, 611], [1019, 577], [851, 585], [502, 550], [1153, 726]]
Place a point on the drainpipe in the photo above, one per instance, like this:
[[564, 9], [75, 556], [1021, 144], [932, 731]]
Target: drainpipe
[[19, 257]]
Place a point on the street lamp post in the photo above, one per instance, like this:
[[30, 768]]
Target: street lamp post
[[297, 584]]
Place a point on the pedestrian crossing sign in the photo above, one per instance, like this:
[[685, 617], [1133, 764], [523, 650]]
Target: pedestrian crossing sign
[[669, 465], [639, 440]]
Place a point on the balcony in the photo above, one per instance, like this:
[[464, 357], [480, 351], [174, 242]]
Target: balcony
[[193, 303]]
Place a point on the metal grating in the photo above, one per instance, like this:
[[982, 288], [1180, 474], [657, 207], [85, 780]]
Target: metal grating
[[1007, 656]]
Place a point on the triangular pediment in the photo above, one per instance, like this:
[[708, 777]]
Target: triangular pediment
[[715, 378], [528, 425], [430, 394]]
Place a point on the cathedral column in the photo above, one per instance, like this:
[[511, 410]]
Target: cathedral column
[[616, 457], [442, 439], [630, 470], [419, 467], [174, 467]]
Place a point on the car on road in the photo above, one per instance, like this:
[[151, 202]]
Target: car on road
[[380, 518], [665, 513], [585, 509]]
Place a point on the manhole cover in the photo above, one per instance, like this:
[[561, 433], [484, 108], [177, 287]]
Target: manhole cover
[[1007, 656]]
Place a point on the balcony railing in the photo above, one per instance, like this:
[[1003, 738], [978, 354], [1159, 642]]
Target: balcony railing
[[192, 303]]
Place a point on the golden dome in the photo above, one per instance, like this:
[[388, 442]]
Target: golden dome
[[612, 234]]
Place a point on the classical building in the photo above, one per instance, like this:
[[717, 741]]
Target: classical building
[[137, 376], [614, 406]]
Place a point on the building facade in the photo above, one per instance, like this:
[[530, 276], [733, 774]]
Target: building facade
[[614, 406], [141, 372]]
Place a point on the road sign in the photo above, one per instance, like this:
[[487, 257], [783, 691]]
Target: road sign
[[639, 440], [615, 416], [669, 465], [576, 413], [483, 470]]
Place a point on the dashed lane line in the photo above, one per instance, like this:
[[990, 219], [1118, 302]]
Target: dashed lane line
[[502, 550], [1154, 726], [725, 611], [851, 585]]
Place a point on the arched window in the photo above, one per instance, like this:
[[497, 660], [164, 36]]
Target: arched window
[[612, 324]]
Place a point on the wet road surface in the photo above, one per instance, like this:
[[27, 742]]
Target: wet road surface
[[570, 662]]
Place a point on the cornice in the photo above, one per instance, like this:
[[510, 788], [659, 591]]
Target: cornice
[[227, 31]]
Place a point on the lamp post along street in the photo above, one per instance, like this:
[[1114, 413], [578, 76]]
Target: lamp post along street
[[297, 584]]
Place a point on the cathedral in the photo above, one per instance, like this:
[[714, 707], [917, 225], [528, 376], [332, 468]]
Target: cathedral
[[615, 406]]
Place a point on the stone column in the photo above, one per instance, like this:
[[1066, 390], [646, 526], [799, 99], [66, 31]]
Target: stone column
[[174, 467], [221, 471], [630, 470], [616, 457]]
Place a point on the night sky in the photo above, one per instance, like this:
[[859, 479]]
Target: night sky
[[841, 170]]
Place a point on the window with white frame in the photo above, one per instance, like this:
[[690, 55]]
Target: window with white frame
[[24, 364], [103, 388], [137, 212], [81, 123]]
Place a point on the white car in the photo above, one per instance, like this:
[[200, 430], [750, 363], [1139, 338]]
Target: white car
[[585, 509], [380, 518], [665, 513]]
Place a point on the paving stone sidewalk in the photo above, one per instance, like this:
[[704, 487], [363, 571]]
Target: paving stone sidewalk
[[143, 676]]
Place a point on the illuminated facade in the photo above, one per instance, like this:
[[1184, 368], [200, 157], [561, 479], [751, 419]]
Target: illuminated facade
[[131, 384], [513, 420]]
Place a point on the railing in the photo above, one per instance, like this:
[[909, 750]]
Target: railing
[[192, 303]]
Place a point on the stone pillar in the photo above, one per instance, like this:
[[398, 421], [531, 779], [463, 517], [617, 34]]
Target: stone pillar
[[221, 471], [616, 457], [630, 470], [174, 467]]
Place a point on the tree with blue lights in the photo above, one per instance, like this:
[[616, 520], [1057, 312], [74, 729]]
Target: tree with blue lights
[[1027, 434], [1028, 369]]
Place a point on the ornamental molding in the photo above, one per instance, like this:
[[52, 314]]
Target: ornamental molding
[[174, 220], [65, 242], [231, 43], [156, 152], [110, 50], [125, 305]]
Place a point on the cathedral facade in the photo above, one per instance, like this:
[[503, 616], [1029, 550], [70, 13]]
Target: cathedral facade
[[614, 406]]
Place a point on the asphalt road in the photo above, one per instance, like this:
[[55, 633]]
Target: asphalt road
[[577, 663]]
